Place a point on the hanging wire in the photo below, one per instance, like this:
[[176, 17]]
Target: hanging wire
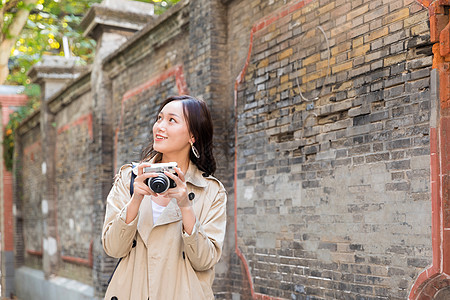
[[326, 76]]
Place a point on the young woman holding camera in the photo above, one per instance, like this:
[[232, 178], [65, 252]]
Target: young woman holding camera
[[169, 242]]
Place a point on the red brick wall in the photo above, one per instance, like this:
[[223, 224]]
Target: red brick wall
[[435, 278]]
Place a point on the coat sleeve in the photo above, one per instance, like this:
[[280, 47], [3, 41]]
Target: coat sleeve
[[204, 246], [117, 236]]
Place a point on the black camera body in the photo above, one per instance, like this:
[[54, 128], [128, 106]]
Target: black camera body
[[161, 183]]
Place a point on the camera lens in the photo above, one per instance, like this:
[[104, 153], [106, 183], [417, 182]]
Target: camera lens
[[159, 184]]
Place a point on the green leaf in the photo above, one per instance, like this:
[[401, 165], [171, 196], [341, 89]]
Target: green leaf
[[59, 19]]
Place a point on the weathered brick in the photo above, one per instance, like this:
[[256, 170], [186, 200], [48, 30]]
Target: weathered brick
[[361, 30], [285, 53], [341, 10], [311, 59], [360, 70], [357, 12], [394, 92], [418, 85], [395, 37], [416, 18], [398, 165], [357, 42], [376, 34], [394, 59], [394, 27], [421, 28], [381, 11], [396, 16], [377, 157], [343, 257], [326, 8], [359, 51], [419, 63], [343, 67]]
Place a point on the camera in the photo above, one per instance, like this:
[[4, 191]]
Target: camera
[[161, 183]]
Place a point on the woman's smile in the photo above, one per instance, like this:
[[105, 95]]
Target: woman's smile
[[159, 137]]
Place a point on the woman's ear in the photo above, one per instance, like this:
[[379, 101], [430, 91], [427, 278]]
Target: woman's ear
[[192, 140]]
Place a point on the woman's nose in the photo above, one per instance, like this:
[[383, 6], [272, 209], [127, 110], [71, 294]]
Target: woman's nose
[[160, 126]]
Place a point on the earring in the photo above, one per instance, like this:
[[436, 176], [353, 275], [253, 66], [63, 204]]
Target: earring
[[194, 150]]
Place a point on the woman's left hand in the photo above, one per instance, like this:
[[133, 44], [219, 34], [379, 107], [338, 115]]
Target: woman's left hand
[[180, 192]]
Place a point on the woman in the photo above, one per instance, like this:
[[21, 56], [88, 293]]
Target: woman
[[168, 242]]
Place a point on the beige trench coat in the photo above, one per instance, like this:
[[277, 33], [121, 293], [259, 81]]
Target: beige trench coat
[[160, 261]]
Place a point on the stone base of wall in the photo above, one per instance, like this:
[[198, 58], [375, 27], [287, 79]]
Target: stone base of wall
[[7, 272], [31, 284]]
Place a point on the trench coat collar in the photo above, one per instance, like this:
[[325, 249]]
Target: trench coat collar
[[194, 176]]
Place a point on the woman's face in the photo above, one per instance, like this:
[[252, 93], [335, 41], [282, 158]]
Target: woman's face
[[170, 131]]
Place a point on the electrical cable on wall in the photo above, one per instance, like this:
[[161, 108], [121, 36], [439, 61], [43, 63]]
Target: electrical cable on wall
[[313, 114], [326, 75]]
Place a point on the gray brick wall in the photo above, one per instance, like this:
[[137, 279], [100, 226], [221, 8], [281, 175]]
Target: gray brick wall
[[27, 187], [74, 185], [333, 201]]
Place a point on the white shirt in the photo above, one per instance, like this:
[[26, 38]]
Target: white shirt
[[157, 211]]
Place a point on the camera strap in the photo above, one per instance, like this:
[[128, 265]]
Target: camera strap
[[133, 176]]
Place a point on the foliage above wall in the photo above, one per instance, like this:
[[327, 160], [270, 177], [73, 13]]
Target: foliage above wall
[[48, 24]]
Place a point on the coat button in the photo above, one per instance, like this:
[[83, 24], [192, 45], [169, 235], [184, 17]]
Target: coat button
[[191, 196], [114, 298], [134, 243]]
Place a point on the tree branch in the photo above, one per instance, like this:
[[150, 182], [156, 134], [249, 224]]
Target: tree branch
[[2, 15], [20, 19], [10, 4], [14, 29]]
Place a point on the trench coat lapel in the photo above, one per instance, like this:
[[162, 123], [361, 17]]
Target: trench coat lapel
[[145, 226], [170, 214], [145, 222]]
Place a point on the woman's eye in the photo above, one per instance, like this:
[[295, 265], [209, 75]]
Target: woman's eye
[[172, 120], [159, 118]]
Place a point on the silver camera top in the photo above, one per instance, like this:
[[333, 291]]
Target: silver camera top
[[161, 167]]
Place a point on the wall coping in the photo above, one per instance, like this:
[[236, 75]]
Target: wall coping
[[137, 37], [99, 15]]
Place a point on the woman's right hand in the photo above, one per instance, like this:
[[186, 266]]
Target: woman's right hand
[[140, 190], [140, 187]]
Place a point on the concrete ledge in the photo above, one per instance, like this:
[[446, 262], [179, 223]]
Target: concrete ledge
[[31, 284]]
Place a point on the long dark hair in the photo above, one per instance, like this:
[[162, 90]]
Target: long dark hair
[[198, 119]]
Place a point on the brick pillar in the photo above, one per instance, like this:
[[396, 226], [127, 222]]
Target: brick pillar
[[111, 24], [209, 79], [7, 103], [52, 74], [434, 282]]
